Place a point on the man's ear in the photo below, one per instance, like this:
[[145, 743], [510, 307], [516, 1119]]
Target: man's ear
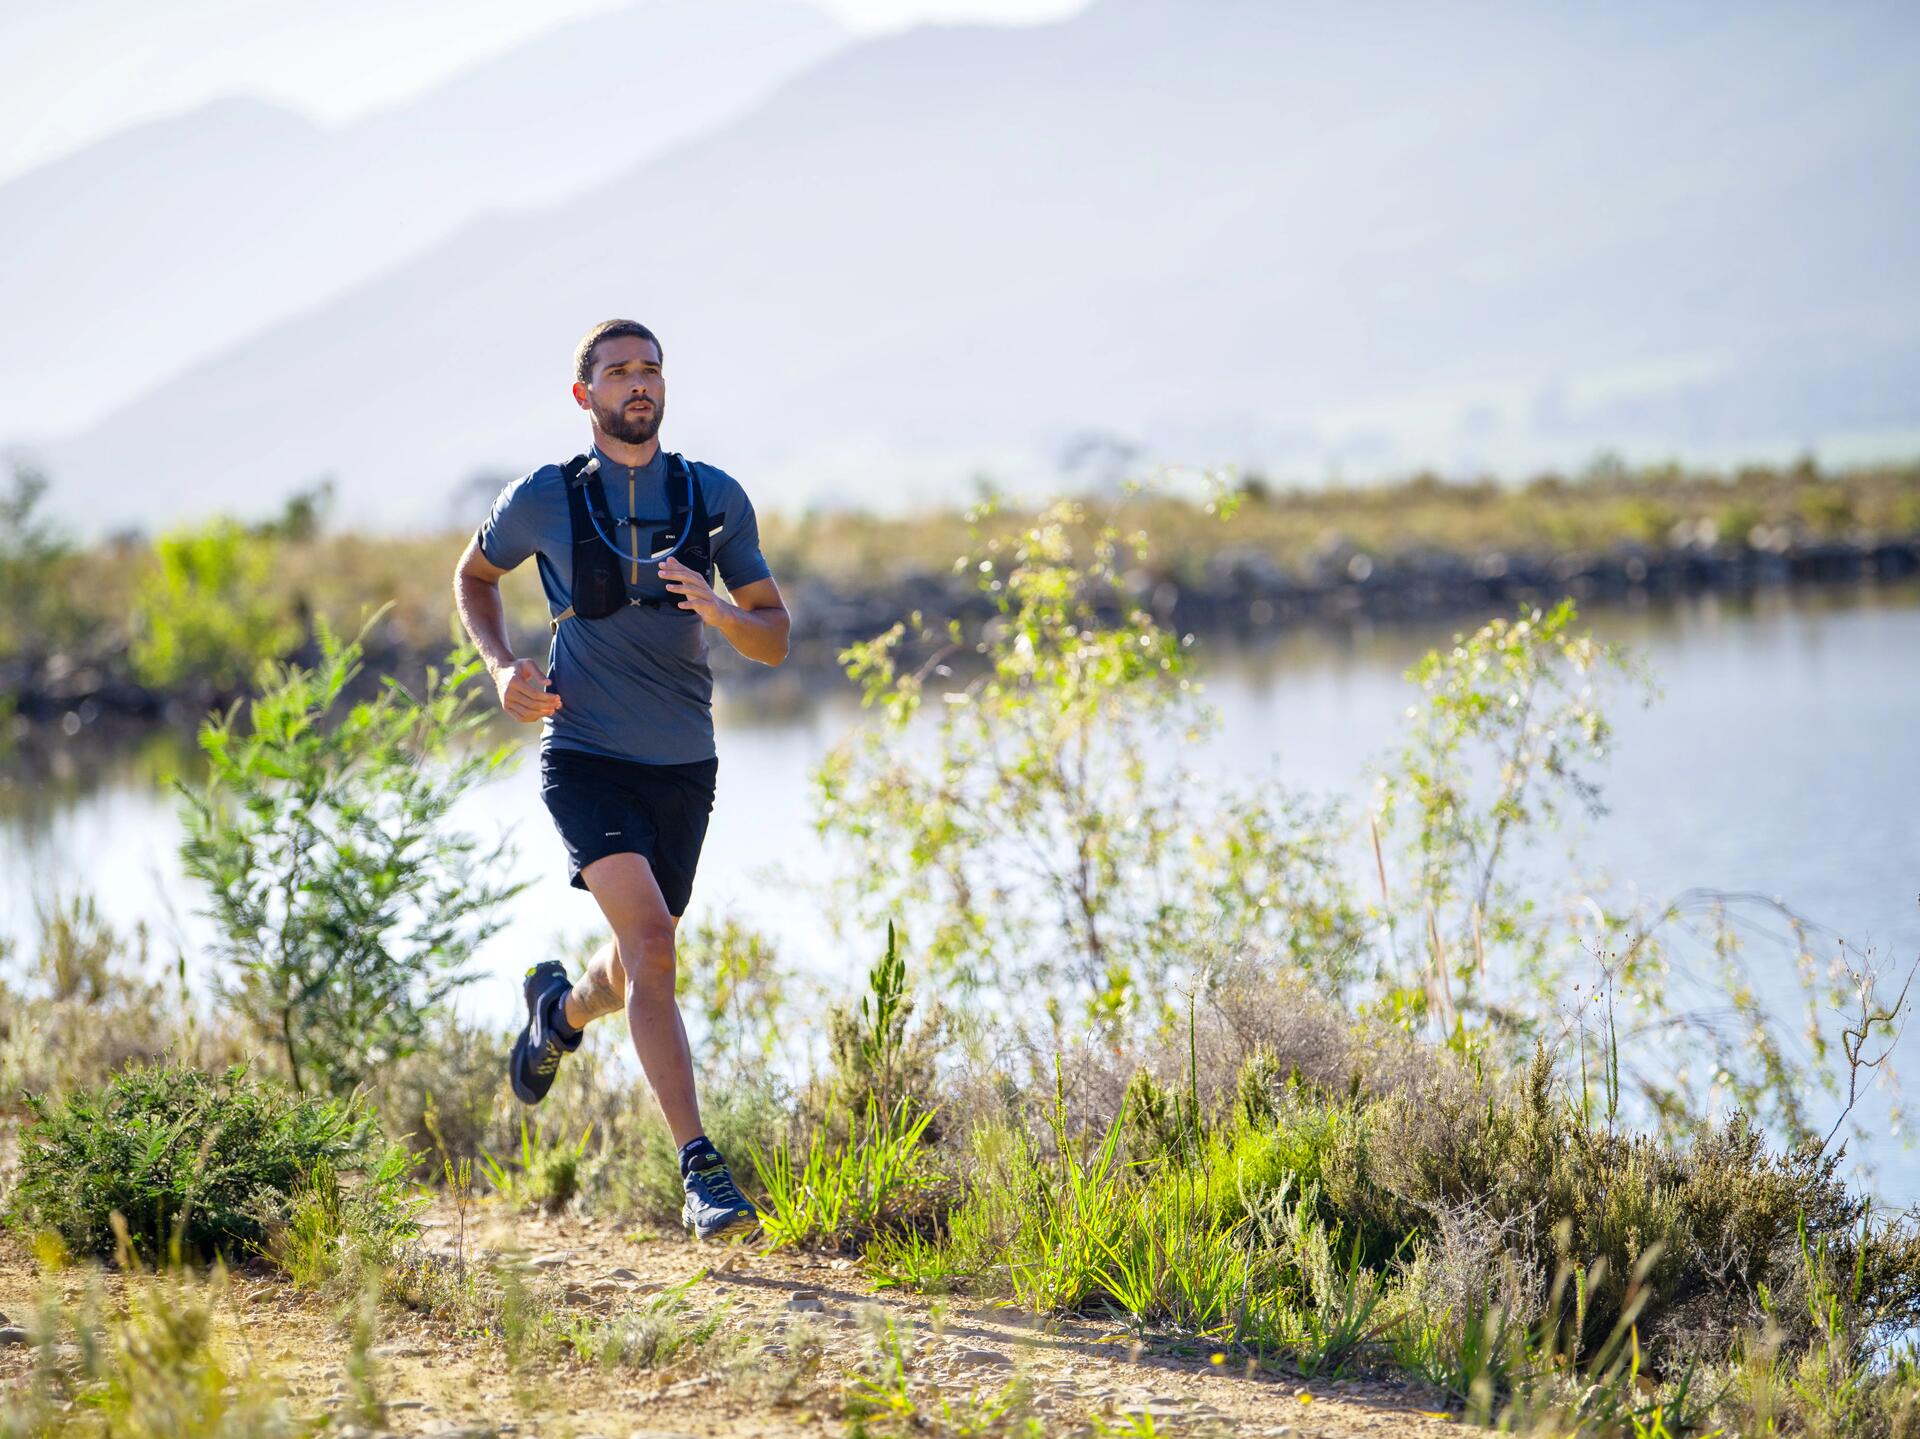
[[580, 396]]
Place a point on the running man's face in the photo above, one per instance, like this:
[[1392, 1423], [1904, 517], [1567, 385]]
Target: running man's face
[[627, 393]]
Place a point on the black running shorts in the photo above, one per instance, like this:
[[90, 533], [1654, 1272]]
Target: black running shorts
[[604, 806]]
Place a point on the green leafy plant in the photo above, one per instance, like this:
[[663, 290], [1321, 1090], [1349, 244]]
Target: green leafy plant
[[866, 1152], [840, 1192], [1174, 1244], [201, 612], [1492, 955], [546, 1174], [1570, 1385], [347, 905], [651, 1335], [1034, 846], [1516, 703], [1342, 1300], [38, 607], [210, 1164], [733, 973], [873, 1053], [334, 1235], [1474, 1355]]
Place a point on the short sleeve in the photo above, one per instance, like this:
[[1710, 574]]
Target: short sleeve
[[736, 549], [511, 532]]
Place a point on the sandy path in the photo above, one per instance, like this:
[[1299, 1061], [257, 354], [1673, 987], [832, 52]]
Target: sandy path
[[438, 1382]]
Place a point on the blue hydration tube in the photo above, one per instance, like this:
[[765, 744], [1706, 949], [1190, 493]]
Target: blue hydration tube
[[593, 468]]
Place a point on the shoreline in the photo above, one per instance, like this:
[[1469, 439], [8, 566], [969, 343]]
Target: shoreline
[[1243, 594]]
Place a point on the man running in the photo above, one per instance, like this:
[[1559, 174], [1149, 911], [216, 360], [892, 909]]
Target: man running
[[627, 760]]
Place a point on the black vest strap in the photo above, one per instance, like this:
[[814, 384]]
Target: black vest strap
[[697, 553], [599, 587]]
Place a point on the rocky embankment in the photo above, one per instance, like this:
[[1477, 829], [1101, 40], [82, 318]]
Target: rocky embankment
[[1248, 591], [1238, 591]]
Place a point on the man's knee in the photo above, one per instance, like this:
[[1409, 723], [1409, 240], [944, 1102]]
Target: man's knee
[[646, 953]]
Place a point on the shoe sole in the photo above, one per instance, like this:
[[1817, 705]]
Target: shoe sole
[[735, 1227], [519, 1053], [513, 1071]]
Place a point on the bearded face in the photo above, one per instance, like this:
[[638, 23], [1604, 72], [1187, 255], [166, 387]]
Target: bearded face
[[628, 393]]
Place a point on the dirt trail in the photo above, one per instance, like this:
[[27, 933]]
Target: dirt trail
[[437, 1382]]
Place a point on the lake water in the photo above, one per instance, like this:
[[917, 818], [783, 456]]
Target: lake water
[[1782, 758]]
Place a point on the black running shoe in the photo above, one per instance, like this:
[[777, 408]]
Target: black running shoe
[[537, 1052], [715, 1205]]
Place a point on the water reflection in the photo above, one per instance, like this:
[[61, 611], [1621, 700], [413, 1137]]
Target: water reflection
[[44, 773]]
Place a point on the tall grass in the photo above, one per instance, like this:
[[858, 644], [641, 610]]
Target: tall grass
[[840, 1191], [156, 1364], [544, 1172]]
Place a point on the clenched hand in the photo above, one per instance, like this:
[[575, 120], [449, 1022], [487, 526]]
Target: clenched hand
[[524, 692]]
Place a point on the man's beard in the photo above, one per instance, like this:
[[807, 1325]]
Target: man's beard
[[630, 429]]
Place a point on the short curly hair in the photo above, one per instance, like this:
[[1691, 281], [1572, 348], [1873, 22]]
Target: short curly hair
[[609, 330]]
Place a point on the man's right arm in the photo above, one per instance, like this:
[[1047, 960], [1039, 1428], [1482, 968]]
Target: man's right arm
[[476, 595]]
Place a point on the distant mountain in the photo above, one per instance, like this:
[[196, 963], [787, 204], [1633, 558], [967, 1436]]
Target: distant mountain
[[1297, 234], [82, 71], [186, 235]]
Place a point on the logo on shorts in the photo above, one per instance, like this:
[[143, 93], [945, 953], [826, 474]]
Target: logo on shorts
[[612, 834]]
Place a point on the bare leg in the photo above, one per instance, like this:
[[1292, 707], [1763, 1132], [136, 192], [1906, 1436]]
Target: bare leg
[[643, 935], [602, 989]]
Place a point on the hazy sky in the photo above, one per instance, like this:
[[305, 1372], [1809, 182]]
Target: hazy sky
[[77, 70]]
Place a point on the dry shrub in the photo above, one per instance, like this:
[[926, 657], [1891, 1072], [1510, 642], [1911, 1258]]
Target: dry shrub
[[1484, 1190], [1255, 1033], [85, 1004], [449, 1096], [1727, 1218]]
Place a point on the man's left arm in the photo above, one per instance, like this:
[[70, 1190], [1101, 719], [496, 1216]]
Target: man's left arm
[[755, 622]]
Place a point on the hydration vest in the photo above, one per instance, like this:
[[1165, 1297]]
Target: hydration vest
[[600, 575]]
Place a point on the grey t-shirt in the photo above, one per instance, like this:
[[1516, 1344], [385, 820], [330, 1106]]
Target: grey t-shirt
[[634, 685]]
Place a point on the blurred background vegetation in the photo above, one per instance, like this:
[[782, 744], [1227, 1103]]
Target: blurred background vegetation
[[192, 612]]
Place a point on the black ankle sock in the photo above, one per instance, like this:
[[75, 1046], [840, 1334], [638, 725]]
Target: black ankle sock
[[698, 1145], [557, 1017]]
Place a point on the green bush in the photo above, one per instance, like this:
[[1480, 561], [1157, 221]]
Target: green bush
[[212, 1162], [1270, 1187], [544, 1172], [1036, 846], [839, 1192], [200, 615], [863, 1161], [38, 608], [333, 1235], [346, 904]]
